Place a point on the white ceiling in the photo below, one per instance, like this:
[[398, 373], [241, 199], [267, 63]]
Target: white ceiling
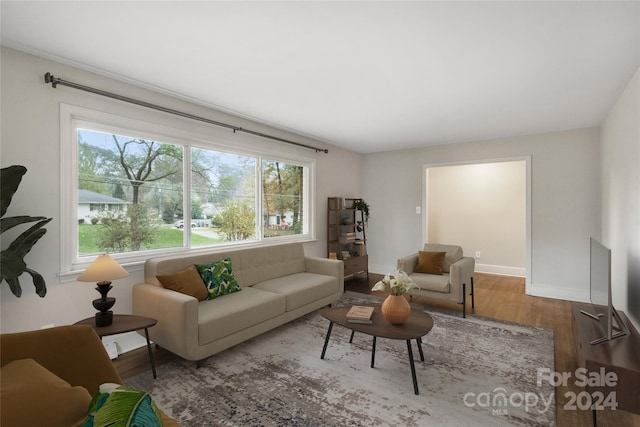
[[367, 76]]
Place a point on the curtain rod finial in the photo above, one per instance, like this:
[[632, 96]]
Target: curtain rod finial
[[50, 78]]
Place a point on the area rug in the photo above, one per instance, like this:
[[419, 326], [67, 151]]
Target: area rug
[[477, 372]]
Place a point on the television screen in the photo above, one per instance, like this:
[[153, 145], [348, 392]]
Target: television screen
[[600, 276], [600, 293]]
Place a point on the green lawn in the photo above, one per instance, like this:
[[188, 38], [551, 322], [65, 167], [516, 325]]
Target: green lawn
[[167, 238]]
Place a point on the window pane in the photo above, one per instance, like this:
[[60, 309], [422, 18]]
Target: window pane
[[130, 192], [282, 200], [223, 197]]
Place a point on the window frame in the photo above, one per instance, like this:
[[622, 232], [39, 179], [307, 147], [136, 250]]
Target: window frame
[[180, 132]]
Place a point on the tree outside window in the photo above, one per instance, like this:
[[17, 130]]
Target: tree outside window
[[224, 190], [282, 198], [133, 171]]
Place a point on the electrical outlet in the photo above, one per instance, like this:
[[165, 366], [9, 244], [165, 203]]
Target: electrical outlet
[[477, 254], [418, 210]]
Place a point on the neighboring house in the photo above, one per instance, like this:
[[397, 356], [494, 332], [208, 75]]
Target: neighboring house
[[209, 210], [91, 204], [275, 221]]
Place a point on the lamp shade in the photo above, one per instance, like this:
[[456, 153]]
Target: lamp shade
[[104, 268]]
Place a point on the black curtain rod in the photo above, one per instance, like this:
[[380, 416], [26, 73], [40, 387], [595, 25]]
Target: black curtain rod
[[55, 81]]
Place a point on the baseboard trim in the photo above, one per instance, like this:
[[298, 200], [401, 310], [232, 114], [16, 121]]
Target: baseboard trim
[[501, 270], [555, 292]]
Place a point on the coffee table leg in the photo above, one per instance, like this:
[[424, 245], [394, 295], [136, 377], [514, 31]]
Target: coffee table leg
[[153, 362], [413, 368], [373, 352], [419, 342], [326, 340], [352, 334]]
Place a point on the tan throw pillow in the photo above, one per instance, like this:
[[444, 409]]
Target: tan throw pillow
[[187, 281], [430, 262], [29, 392]]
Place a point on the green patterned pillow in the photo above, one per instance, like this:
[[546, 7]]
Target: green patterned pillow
[[218, 278], [115, 405]]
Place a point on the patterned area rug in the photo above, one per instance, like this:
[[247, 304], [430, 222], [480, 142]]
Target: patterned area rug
[[477, 372]]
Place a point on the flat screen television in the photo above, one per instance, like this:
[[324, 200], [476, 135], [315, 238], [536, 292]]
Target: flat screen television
[[600, 293]]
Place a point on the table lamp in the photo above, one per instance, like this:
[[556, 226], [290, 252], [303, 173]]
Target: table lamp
[[103, 270]]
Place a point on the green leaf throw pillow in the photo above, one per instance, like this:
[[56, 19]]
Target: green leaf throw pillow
[[218, 278], [115, 405]]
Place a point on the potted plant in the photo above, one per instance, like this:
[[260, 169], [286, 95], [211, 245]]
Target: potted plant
[[12, 263], [361, 205]]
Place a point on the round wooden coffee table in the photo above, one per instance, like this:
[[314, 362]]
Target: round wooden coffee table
[[417, 326]]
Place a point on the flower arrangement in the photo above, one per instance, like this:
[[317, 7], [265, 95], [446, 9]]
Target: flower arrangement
[[397, 285]]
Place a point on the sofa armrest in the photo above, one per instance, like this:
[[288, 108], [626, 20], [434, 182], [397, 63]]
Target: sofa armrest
[[74, 353], [326, 266], [462, 272], [408, 263], [176, 313]]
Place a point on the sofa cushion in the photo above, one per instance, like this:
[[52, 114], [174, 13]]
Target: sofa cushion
[[118, 405], [231, 313], [187, 281], [218, 278], [453, 254], [432, 282], [301, 289], [265, 263], [430, 262], [29, 391]]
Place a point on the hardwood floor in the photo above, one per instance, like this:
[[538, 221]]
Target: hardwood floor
[[498, 297]]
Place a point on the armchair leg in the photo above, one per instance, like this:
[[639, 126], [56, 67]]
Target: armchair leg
[[473, 304], [464, 300]]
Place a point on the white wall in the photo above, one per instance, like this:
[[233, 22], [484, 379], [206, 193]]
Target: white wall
[[621, 198], [30, 132], [565, 209], [481, 207]]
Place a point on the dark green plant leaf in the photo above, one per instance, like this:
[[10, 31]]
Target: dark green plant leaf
[[12, 221], [14, 285], [10, 179], [11, 265], [38, 282], [24, 242]]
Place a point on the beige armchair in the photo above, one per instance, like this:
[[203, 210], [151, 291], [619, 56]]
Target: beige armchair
[[454, 284]]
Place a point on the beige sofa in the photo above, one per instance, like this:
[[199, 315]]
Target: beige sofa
[[456, 281], [278, 284]]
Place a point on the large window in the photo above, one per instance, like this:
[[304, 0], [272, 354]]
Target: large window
[[140, 193]]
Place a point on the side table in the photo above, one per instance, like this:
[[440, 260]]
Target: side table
[[125, 323]]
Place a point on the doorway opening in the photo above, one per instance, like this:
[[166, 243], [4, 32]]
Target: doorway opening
[[485, 207]]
